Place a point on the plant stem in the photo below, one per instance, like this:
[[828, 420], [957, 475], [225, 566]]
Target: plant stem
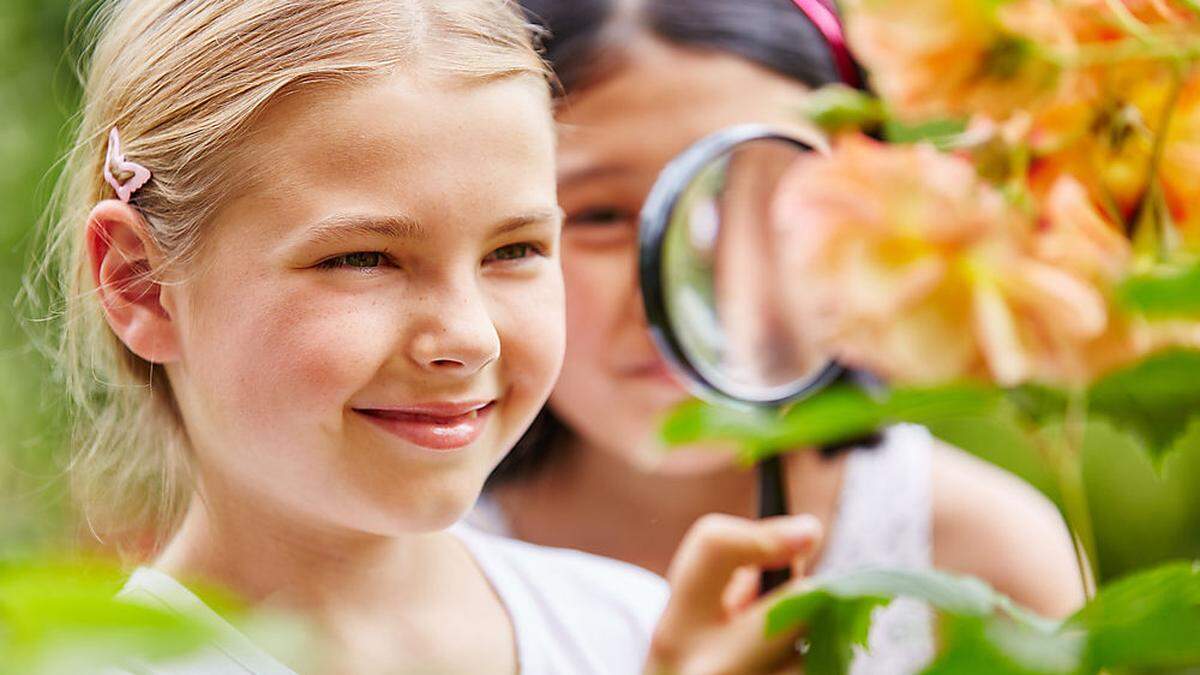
[[1069, 470], [1130, 23], [1153, 195], [1127, 49]]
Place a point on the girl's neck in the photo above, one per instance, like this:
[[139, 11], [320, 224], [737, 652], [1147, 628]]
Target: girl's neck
[[593, 500], [367, 595], [266, 557]]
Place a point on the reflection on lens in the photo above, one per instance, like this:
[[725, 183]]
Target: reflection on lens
[[723, 286]]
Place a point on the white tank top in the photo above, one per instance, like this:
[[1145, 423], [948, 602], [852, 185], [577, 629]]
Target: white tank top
[[883, 519], [571, 612]]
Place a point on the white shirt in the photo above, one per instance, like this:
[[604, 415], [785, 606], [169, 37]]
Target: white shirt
[[571, 612], [884, 519]]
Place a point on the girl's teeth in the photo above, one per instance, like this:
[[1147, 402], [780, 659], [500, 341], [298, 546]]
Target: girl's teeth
[[473, 414]]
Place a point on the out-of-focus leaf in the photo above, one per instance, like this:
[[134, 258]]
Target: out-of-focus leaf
[[695, 421], [837, 108], [838, 413], [64, 618], [1155, 398], [942, 134], [985, 625], [834, 630], [1148, 620], [1000, 646], [1142, 514], [1172, 292]]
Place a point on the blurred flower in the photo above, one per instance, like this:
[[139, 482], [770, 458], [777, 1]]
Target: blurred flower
[[956, 58], [1181, 162], [1076, 237], [1104, 135], [914, 268], [1096, 21]]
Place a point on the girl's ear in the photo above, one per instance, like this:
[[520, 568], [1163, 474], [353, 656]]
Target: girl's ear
[[122, 257]]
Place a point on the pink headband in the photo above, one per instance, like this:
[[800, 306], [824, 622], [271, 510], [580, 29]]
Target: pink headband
[[821, 13], [114, 160]]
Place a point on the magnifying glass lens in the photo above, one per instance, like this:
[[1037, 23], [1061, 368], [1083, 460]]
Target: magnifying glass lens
[[724, 289]]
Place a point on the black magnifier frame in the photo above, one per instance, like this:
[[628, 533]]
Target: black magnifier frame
[[654, 223], [653, 226]]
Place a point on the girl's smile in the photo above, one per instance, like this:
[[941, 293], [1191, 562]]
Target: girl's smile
[[442, 426]]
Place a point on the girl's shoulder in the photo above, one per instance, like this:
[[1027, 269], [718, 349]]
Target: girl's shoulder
[[991, 524], [572, 611]]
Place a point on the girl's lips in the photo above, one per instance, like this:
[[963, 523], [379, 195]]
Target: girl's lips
[[436, 426], [656, 370]]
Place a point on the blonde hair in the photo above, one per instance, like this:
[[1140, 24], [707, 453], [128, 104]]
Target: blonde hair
[[183, 81]]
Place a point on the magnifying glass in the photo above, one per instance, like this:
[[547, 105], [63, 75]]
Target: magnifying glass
[[713, 290]]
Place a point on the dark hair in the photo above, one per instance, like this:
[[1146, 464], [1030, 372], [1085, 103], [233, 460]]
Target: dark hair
[[583, 41]]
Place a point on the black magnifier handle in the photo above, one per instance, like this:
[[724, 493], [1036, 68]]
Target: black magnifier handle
[[772, 501]]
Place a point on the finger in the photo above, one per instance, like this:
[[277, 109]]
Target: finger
[[717, 545], [742, 645], [741, 591]]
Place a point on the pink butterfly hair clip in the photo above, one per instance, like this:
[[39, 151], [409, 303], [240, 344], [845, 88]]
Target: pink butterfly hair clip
[[114, 160]]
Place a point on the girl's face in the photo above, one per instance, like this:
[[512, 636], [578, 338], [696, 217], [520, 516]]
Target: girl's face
[[615, 139], [373, 322]]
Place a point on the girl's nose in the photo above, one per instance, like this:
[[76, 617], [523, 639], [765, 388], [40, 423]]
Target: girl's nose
[[458, 337]]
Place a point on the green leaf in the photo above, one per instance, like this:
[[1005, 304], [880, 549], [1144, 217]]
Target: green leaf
[[1142, 514], [985, 626], [949, 592], [999, 646], [1148, 620], [837, 108], [942, 134], [1155, 398], [834, 631], [695, 421], [63, 617], [836, 414], [1164, 292]]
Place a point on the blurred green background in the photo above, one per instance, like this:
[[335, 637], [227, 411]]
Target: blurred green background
[[38, 95]]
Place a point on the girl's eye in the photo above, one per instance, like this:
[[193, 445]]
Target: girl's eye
[[600, 217], [511, 252], [358, 260]]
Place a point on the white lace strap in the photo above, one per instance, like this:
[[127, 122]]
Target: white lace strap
[[884, 519]]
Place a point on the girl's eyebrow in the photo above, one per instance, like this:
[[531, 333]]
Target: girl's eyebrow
[[337, 227], [545, 215]]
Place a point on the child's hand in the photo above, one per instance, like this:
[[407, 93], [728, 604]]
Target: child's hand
[[714, 622]]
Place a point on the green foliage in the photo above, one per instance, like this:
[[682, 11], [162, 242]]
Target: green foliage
[[1150, 620], [984, 631], [38, 92], [1143, 513], [1139, 458], [839, 108], [1133, 442], [1155, 399], [1144, 623], [1164, 292], [62, 618]]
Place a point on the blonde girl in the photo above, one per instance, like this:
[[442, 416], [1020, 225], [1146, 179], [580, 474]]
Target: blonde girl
[[308, 254]]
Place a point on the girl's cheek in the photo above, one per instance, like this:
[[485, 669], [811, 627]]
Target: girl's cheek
[[300, 354], [530, 320]]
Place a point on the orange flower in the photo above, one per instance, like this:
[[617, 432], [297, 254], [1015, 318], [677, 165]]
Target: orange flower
[[912, 267], [956, 58], [1180, 168], [1093, 21]]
